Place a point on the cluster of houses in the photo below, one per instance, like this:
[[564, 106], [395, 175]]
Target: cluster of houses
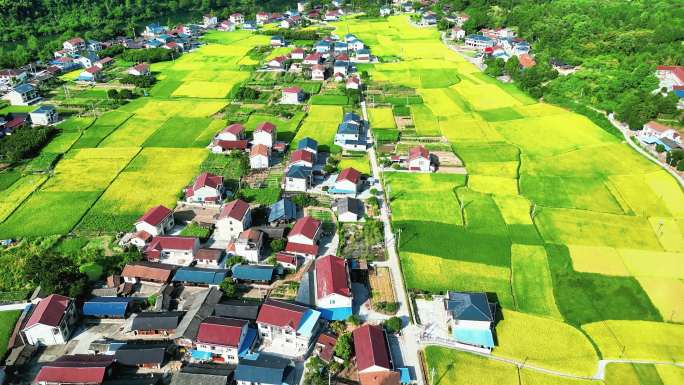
[[43, 115], [671, 79], [264, 141], [419, 159], [498, 43]]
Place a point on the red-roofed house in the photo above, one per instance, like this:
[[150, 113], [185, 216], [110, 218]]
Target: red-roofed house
[[526, 61], [265, 133], [235, 217], [312, 59], [292, 95], [670, 76], [333, 288], [318, 72], [348, 181], [139, 70], [237, 18], [277, 62], [50, 322], [235, 131], [353, 82], [148, 272], [287, 260], [248, 245], [78, 369], [91, 74], [206, 188], [74, 45], [372, 349], [302, 158], [659, 130], [325, 347], [305, 231], [262, 17], [297, 54], [288, 326], [258, 157], [156, 221], [226, 146], [221, 337], [226, 25], [172, 250], [419, 159]]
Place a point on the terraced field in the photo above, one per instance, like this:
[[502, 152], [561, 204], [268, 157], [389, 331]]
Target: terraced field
[[565, 225], [142, 154]]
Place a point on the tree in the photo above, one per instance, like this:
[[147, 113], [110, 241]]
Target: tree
[[316, 372], [680, 165], [229, 288], [277, 245], [126, 94], [112, 93], [660, 148], [495, 66], [56, 274], [338, 327], [354, 320], [512, 67], [343, 347], [393, 324]]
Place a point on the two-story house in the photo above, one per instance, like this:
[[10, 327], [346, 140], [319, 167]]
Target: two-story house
[[51, 321], [298, 178], [235, 131], [373, 357], [470, 317], [172, 250], [265, 133], [351, 133], [74, 45], [222, 338], [22, 95], [287, 328], [206, 188], [248, 245], [333, 288], [303, 237], [234, 218], [419, 159], [156, 221], [348, 181]]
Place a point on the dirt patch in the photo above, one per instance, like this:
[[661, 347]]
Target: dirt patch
[[448, 159], [381, 285]]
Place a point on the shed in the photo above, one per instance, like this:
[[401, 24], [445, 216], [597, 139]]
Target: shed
[[107, 307], [200, 276], [253, 273], [283, 210]]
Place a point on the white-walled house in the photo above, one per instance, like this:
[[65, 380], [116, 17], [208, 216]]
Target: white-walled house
[[349, 209], [235, 131], [234, 218], [258, 157], [348, 181], [373, 340], [22, 95], [141, 69], [248, 245], [74, 45], [206, 188], [660, 131], [333, 288], [209, 21], [470, 317], [221, 337], [172, 250], [265, 133], [237, 18], [306, 231], [302, 158], [292, 95], [156, 221], [318, 72], [51, 321], [290, 327], [419, 159], [670, 77], [44, 115], [298, 178]]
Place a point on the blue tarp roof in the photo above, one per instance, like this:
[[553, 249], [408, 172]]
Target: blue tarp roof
[[679, 93], [247, 342], [283, 209], [477, 337], [253, 272], [199, 275], [106, 307], [265, 369], [478, 37], [308, 322]]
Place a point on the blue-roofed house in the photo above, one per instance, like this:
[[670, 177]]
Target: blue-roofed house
[[88, 59], [470, 317], [341, 67], [479, 41], [253, 273], [352, 133], [153, 30], [249, 25], [340, 47], [196, 276], [349, 37], [322, 47], [363, 55], [265, 369], [298, 178], [292, 328], [355, 45], [44, 115], [22, 95], [153, 44], [308, 144], [107, 307], [283, 211], [163, 38]]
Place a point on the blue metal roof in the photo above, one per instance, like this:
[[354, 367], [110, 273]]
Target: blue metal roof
[[23, 88], [679, 93], [405, 376], [308, 322], [307, 142], [322, 44], [363, 51], [106, 307], [477, 337], [201, 276], [351, 116], [247, 342], [283, 209], [45, 108], [299, 172], [154, 43], [348, 128], [478, 37], [265, 369], [253, 272]]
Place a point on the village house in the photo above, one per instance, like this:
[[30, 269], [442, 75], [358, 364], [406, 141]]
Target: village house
[[277, 41], [226, 26], [373, 357], [303, 237], [209, 21], [287, 260], [287, 328], [325, 348], [419, 159], [256, 274], [265, 133], [172, 250], [248, 245], [341, 67], [237, 18], [11, 77], [156, 323], [265, 369], [478, 42], [312, 59], [349, 209], [258, 157], [322, 47], [221, 339], [104, 62], [107, 307], [226, 146], [153, 30], [277, 63], [142, 69], [202, 374], [526, 61], [22, 95], [262, 18], [156, 221], [283, 211], [209, 257], [200, 277], [362, 56], [147, 272], [333, 288], [288, 23], [302, 158], [12, 122], [74, 45], [206, 188], [356, 45], [297, 54], [142, 355], [331, 16], [91, 74], [670, 77], [351, 133], [353, 83], [292, 95], [235, 217], [470, 317], [429, 18], [51, 321], [348, 181], [88, 59], [458, 33], [461, 18], [659, 131], [340, 47], [235, 131], [298, 178], [44, 115], [78, 369], [318, 72], [308, 144]]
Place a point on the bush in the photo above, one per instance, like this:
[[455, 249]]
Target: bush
[[660, 148], [354, 320], [393, 325], [386, 307], [195, 230], [680, 165]]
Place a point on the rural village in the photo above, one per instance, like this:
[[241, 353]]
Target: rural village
[[258, 185]]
